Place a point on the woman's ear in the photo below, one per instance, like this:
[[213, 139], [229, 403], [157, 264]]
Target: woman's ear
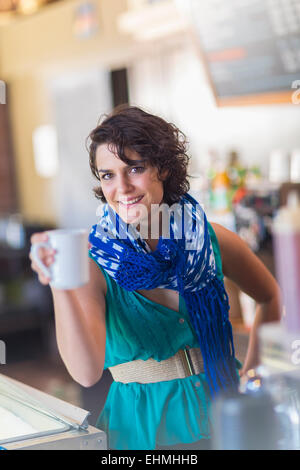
[[164, 175]]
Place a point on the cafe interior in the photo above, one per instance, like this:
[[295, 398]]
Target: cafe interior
[[227, 74]]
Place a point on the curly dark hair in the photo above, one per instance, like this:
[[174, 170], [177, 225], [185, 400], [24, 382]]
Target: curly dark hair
[[159, 143]]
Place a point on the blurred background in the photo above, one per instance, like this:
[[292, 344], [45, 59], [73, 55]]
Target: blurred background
[[227, 73]]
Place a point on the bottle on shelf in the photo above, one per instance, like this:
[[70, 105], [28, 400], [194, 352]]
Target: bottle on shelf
[[286, 231], [220, 188]]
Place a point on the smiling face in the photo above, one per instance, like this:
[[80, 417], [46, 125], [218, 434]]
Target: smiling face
[[129, 189]]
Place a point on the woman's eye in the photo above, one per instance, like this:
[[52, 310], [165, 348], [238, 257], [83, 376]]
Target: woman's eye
[[106, 176], [133, 169], [137, 169]]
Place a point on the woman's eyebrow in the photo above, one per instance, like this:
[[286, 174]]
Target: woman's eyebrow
[[133, 162]]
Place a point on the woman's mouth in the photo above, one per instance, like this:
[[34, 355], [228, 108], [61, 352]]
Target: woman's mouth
[[131, 202]]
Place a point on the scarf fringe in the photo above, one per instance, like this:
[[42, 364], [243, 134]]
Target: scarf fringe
[[208, 310]]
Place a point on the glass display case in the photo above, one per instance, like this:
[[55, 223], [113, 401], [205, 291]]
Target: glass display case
[[31, 419]]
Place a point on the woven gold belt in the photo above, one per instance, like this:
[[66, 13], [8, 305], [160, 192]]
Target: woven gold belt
[[184, 363]]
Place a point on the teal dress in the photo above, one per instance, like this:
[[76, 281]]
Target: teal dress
[[143, 416]]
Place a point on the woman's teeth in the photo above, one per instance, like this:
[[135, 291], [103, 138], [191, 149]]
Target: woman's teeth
[[132, 201]]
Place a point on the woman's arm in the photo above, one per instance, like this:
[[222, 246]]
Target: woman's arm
[[80, 328], [244, 268], [79, 321]]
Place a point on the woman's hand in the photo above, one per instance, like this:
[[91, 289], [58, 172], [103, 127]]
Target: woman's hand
[[243, 373], [46, 256]]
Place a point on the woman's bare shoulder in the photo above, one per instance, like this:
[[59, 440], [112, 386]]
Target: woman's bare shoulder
[[243, 267]]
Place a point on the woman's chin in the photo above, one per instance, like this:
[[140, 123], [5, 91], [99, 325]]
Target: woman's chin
[[129, 218], [133, 215]]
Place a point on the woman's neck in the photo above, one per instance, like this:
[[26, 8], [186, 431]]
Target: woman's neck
[[147, 232], [152, 243]]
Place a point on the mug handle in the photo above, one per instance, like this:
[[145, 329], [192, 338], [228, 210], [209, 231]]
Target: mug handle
[[34, 253]]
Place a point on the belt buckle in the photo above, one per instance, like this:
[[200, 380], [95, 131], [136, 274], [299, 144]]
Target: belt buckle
[[187, 362]]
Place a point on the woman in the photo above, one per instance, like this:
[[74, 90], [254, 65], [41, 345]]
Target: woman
[[155, 311]]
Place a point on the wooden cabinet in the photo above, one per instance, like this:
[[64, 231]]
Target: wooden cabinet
[[8, 195]]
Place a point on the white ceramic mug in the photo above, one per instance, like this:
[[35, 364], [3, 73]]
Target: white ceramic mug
[[71, 267]]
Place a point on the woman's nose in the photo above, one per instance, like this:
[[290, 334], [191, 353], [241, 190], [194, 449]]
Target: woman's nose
[[124, 184]]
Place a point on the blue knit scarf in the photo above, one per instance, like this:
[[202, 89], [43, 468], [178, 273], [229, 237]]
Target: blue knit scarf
[[183, 261]]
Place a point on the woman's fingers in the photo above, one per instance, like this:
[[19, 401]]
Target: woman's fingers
[[45, 255], [39, 237], [43, 279]]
